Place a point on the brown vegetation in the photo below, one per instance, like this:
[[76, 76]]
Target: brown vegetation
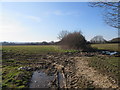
[[74, 40]]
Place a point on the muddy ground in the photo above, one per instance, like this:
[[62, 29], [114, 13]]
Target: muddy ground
[[63, 70]]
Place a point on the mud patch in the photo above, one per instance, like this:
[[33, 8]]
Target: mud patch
[[97, 79]]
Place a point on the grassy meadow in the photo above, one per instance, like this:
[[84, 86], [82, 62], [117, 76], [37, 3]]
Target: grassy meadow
[[112, 47], [34, 49]]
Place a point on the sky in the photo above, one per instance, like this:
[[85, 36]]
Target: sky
[[43, 21]]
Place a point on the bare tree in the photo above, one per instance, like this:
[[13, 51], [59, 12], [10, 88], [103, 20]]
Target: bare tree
[[62, 34], [111, 12], [98, 39]]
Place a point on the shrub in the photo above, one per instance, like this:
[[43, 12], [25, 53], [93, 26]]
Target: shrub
[[74, 40]]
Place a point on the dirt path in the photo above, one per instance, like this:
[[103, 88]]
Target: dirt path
[[98, 80], [71, 72]]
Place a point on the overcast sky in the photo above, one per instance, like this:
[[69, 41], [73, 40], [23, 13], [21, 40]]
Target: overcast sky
[[42, 21]]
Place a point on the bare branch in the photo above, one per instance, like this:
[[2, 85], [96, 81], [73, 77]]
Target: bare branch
[[111, 12]]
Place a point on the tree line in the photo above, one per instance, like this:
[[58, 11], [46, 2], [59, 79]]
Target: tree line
[[29, 43], [71, 39]]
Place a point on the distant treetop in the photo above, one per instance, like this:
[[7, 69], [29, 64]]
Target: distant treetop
[[98, 39]]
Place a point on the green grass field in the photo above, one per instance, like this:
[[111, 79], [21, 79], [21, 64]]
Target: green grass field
[[35, 49], [112, 47]]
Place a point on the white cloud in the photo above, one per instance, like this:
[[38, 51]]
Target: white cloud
[[9, 24], [67, 13], [58, 13], [10, 28], [34, 18], [61, 13], [13, 28], [30, 17]]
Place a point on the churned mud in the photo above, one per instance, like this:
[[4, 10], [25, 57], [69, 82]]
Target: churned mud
[[61, 70], [69, 71]]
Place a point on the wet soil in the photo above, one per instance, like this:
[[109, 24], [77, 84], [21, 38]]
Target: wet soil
[[41, 80], [62, 70], [69, 71]]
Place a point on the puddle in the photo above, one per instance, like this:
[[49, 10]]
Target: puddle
[[109, 53], [41, 80]]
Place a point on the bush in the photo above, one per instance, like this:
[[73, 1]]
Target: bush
[[74, 40]]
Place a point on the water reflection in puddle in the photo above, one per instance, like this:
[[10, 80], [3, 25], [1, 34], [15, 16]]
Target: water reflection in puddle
[[41, 80], [109, 53]]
